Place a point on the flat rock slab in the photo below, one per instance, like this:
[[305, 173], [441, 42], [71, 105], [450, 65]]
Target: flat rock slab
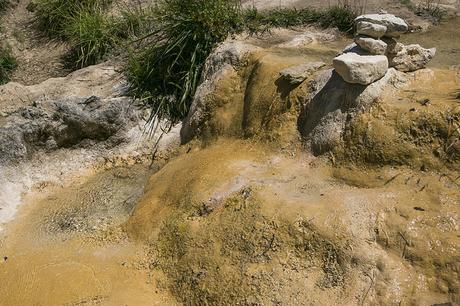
[[297, 74], [395, 25], [360, 69]]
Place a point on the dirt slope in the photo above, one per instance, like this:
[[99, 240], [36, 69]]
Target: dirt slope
[[38, 58]]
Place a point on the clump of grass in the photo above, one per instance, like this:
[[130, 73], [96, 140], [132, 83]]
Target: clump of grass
[[7, 64], [53, 16], [430, 9], [341, 17], [255, 19], [4, 5], [90, 34], [167, 72], [134, 22]]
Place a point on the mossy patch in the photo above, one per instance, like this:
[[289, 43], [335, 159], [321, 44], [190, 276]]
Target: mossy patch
[[415, 137], [223, 257]]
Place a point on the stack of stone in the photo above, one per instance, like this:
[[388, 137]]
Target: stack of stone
[[375, 50]]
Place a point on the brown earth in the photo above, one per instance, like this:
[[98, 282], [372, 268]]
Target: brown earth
[[39, 58]]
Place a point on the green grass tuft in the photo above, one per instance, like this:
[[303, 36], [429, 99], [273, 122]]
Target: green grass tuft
[[134, 23], [4, 5], [167, 72], [90, 34], [7, 64], [53, 16], [341, 17]]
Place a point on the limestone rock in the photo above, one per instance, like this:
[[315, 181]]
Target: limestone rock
[[224, 62], [395, 25], [297, 74], [412, 58], [370, 29], [360, 69], [87, 108], [65, 123], [334, 101], [374, 46]]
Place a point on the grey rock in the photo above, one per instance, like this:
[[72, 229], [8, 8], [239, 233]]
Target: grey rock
[[372, 45], [395, 25], [299, 73], [360, 69], [64, 124], [334, 102], [371, 29]]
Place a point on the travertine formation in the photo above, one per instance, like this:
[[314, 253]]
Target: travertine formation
[[375, 49]]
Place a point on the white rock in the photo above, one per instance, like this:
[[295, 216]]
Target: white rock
[[395, 25], [374, 46], [360, 69], [297, 74], [412, 58], [370, 29]]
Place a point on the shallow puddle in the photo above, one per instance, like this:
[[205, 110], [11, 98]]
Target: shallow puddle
[[67, 247]]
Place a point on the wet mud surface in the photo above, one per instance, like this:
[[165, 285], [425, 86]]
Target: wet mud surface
[[67, 247]]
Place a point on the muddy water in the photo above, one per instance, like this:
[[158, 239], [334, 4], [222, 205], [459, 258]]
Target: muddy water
[[67, 247]]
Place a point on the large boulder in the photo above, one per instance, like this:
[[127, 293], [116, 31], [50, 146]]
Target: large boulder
[[372, 45], [73, 121], [334, 102], [225, 63], [88, 109], [411, 58], [370, 29], [360, 69], [395, 25]]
